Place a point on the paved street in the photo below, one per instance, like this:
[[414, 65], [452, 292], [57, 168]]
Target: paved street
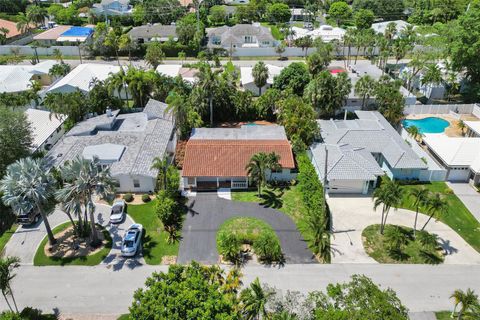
[[101, 291], [351, 215], [208, 212], [469, 197]]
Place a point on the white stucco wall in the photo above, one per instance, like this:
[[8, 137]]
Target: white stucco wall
[[147, 184], [346, 186]]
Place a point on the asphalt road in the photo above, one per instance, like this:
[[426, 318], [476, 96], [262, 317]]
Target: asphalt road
[[101, 291]]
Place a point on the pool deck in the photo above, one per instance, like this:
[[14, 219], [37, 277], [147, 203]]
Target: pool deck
[[450, 131]]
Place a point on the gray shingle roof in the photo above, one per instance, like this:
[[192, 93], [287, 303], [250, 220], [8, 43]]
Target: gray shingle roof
[[157, 110], [143, 139], [236, 33], [372, 132], [151, 31]]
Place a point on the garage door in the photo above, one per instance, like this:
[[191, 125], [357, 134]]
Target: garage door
[[346, 186], [458, 174]]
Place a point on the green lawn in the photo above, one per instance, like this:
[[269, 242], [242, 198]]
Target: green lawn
[[413, 251], [246, 229], [443, 315], [124, 317], [6, 236], [41, 259], [459, 218], [155, 244]]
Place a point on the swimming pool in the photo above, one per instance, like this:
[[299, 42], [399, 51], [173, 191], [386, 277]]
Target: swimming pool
[[427, 125]]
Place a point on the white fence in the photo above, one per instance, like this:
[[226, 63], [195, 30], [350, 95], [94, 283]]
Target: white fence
[[291, 52], [42, 51], [442, 109]]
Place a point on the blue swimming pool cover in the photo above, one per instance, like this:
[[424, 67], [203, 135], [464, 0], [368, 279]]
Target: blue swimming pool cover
[[78, 32]]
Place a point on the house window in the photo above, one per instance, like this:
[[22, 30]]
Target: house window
[[136, 183], [249, 39], [216, 40], [191, 180], [265, 43]]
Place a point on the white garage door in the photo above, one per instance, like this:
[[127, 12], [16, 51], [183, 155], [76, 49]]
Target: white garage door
[[346, 186], [458, 174]]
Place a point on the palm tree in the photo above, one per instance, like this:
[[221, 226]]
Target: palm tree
[[59, 70], [7, 265], [58, 55], [318, 236], [23, 22], [365, 88], [208, 82], [260, 75], [414, 132], [28, 185], [389, 195], [420, 198], [118, 82], [461, 125], [467, 299], [140, 84], [256, 170], [254, 300], [83, 180], [3, 35], [161, 164], [37, 15], [436, 205], [432, 75]]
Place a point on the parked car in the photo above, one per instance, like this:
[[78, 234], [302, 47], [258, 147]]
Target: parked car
[[132, 240], [119, 210], [29, 218]]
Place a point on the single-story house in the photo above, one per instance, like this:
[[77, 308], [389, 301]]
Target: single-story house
[[361, 150], [112, 7], [459, 155], [81, 77], [217, 157], [175, 70], [247, 80], [473, 129], [18, 78], [155, 32], [11, 27], [47, 128], [326, 33], [50, 36], [236, 2], [299, 14], [380, 27], [126, 143], [429, 90], [76, 35], [240, 36]]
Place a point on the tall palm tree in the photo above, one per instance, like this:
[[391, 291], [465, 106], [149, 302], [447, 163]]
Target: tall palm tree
[[254, 300], [256, 170], [118, 82], [389, 195], [140, 84], [365, 88], [37, 15], [317, 235], [208, 82], [83, 180], [3, 35], [414, 132], [260, 75], [7, 265], [432, 75], [58, 55], [420, 198], [23, 22], [28, 185], [461, 125], [467, 299], [436, 205], [161, 164], [178, 108]]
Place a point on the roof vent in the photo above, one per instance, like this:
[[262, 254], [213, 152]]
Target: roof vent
[[109, 112]]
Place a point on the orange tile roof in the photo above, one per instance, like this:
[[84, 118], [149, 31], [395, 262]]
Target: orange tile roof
[[11, 27], [228, 158]]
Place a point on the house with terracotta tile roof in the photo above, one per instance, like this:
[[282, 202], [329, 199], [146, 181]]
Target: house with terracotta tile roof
[[217, 157], [11, 26]]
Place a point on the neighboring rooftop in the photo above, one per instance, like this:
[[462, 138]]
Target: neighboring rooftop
[[154, 32], [174, 70], [326, 33], [52, 34], [44, 124], [11, 27], [380, 27], [372, 132], [236, 33], [474, 126], [17, 78], [247, 77], [245, 132]]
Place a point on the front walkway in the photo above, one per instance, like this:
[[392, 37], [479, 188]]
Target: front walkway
[[469, 197], [207, 212], [351, 215]]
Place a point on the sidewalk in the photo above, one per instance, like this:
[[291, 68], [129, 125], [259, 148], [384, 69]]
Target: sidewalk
[[469, 197]]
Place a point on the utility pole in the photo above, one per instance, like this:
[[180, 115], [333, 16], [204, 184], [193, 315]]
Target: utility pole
[[325, 172]]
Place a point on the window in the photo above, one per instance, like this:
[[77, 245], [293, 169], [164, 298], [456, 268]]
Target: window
[[136, 183], [266, 43], [191, 181], [216, 40], [249, 39]]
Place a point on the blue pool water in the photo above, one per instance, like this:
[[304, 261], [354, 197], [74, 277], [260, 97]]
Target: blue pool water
[[78, 32], [427, 125]]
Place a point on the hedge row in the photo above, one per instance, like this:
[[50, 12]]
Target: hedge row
[[309, 184]]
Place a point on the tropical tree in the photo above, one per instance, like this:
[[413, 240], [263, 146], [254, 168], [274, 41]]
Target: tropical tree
[[7, 265], [467, 299], [389, 195], [432, 75], [420, 199], [436, 206], [85, 179], [112, 41], [185, 116], [118, 82], [23, 22], [58, 55], [462, 126], [125, 43], [154, 54], [258, 166], [208, 81], [71, 104], [317, 234], [254, 300], [59, 70], [29, 185], [139, 84], [340, 11], [280, 49], [37, 15], [414, 132], [365, 88], [260, 75], [161, 164]]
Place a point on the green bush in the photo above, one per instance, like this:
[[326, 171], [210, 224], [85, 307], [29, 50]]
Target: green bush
[[128, 197], [267, 248], [229, 246], [448, 191], [146, 198]]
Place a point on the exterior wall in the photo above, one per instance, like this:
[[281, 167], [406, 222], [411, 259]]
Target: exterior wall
[[348, 186], [172, 144], [147, 184], [441, 109], [458, 174], [400, 174], [285, 175]]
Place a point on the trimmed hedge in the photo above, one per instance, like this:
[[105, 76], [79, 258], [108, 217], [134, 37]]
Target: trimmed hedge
[[128, 197], [309, 184]]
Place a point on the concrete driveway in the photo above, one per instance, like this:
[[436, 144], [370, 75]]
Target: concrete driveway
[[469, 197], [25, 241], [208, 211], [351, 215]]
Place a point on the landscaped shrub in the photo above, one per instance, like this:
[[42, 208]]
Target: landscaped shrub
[[146, 198], [128, 197], [229, 246], [267, 248], [448, 191]]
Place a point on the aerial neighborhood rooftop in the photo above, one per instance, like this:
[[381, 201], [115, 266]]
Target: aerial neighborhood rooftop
[[164, 159]]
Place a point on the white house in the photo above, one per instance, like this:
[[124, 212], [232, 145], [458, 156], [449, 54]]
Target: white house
[[240, 36], [47, 128], [247, 80], [217, 157], [112, 7], [81, 77], [380, 27], [175, 70], [473, 128], [325, 32], [154, 32], [18, 78], [126, 143]]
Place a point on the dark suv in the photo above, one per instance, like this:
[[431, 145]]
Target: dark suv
[[29, 218]]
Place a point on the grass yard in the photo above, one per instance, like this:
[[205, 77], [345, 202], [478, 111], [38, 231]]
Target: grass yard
[[124, 317], [245, 229], [459, 218], [287, 199], [155, 245], [6, 236], [41, 259], [381, 248], [443, 315]]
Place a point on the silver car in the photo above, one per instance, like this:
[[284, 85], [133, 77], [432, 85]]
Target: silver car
[[118, 212], [132, 240]]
